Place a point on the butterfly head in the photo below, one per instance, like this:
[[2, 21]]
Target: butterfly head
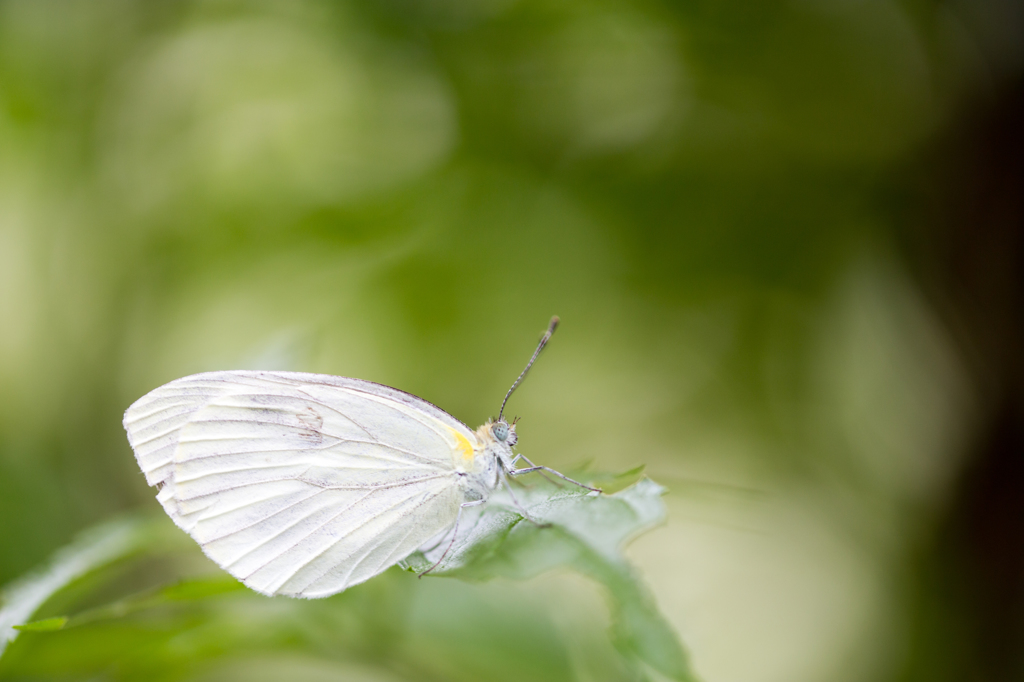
[[503, 432]]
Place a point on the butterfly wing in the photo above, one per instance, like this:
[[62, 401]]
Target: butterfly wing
[[300, 484]]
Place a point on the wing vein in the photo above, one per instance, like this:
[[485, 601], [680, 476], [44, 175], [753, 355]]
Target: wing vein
[[361, 524], [252, 549], [259, 521], [388, 560], [322, 446]]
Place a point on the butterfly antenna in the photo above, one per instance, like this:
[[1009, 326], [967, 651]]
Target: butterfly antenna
[[540, 346]]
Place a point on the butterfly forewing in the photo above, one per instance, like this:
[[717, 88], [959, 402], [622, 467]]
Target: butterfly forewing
[[299, 484]]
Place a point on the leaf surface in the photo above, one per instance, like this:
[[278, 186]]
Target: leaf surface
[[575, 529]]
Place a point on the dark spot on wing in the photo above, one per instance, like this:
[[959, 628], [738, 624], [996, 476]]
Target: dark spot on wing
[[311, 422]]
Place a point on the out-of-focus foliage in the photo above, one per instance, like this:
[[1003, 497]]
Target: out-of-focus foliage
[[404, 191], [100, 546]]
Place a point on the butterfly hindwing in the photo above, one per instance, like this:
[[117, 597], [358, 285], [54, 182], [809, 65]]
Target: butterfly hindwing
[[299, 484]]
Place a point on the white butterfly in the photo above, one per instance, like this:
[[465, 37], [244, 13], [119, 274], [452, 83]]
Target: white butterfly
[[305, 484]]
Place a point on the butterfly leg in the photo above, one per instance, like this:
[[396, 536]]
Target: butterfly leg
[[542, 469], [455, 534], [515, 501], [526, 459]]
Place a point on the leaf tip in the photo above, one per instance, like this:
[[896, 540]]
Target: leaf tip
[[44, 625]]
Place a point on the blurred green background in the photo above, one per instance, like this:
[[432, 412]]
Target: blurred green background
[[784, 239]]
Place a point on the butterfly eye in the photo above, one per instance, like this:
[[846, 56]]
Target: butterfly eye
[[500, 430]]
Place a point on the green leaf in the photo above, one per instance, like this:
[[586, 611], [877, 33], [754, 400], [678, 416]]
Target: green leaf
[[200, 588], [182, 591], [584, 531], [96, 547], [613, 484], [44, 625]]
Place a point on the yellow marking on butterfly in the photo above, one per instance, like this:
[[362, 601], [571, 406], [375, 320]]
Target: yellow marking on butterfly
[[462, 445]]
